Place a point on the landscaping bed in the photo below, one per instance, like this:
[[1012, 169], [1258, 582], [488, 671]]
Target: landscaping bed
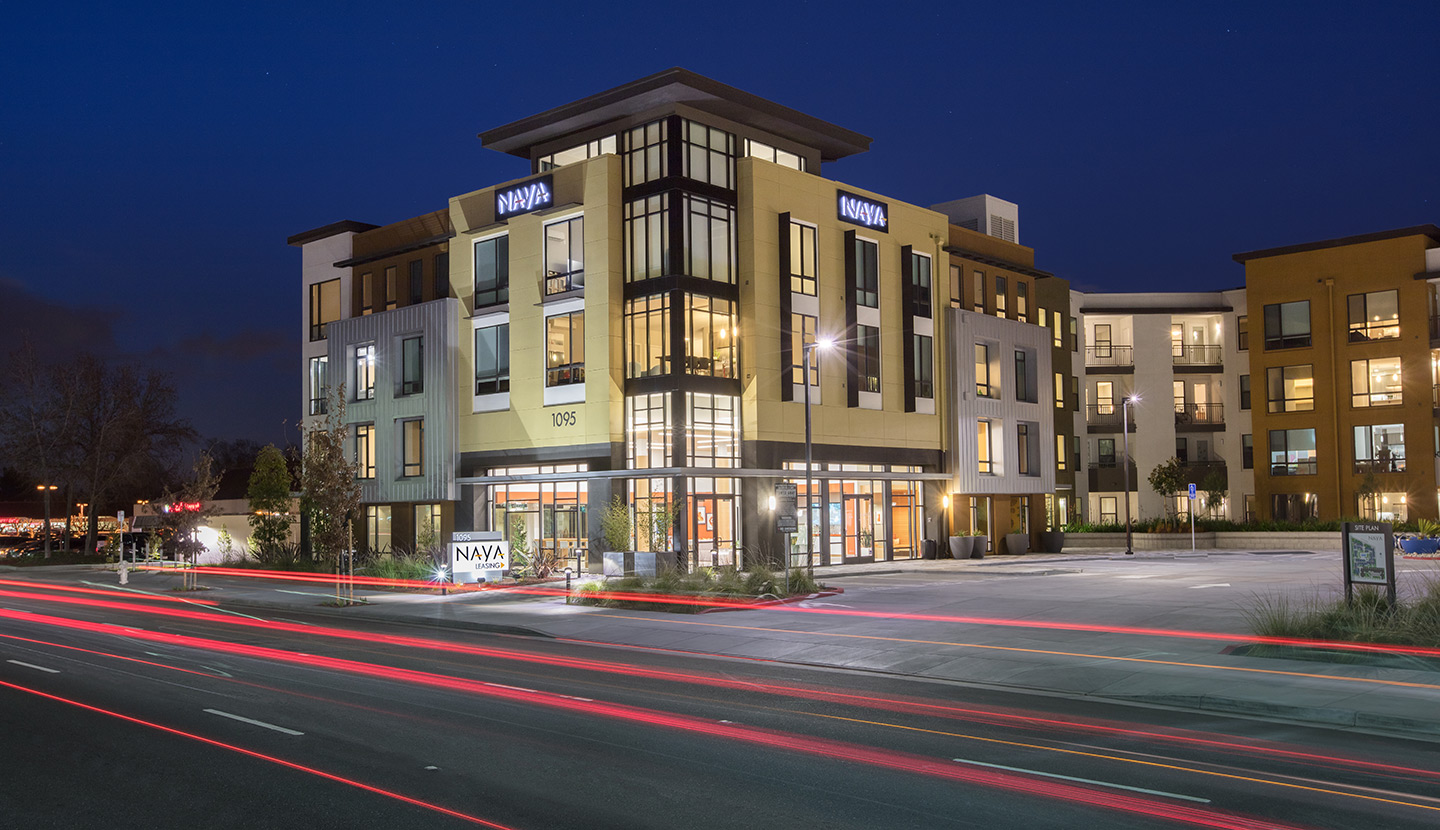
[[702, 591]]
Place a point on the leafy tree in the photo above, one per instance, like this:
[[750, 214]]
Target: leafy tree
[[185, 523], [330, 492], [1168, 479], [269, 495], [1216, 486]]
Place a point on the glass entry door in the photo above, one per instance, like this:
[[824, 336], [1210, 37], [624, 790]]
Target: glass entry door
[[859, 528], [712, 531]]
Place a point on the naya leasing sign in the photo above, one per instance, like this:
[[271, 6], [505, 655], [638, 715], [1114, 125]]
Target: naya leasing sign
[[867, 213], [470, 559], [525, 197]]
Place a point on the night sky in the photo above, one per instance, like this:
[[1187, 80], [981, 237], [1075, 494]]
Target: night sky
[[154, 157]]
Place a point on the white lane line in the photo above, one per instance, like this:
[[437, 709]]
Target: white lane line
[[1137, 576], [1084, 781], [33, 666], [1212, 585], [253, 722]]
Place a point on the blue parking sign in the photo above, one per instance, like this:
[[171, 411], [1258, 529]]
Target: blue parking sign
[[1192, 492]]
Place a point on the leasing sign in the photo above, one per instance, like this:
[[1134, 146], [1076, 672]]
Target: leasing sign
[[858, 210], [524, 197], [472, 555]]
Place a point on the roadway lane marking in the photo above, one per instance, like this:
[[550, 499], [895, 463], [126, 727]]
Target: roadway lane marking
[[1083, 780], [33, 666], [1212, 585], [253, 722], [1136, 576]]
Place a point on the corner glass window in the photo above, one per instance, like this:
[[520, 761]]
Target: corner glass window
[[709, 239], [1287, 325], [324, 307], [709, 336], [643, 150], [565, 349], [647, 334], [565, 255], [647, 238], [708, 154], [492, 271]]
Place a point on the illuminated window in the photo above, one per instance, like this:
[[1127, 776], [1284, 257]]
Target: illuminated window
[[377, 527], [364, 450], [1374, 316], [647, 238], [324, 307], [643, 151], [647, 333], [710, 335], [983, 387], [1108, 508], [581, 152], [1022, 301], [867, 273], [1104, 397], [365, 372], [978, 282], [1059, 390], [647, 431], [708, 154], [412, 370], [1375, 382], [427, 527], [565, 255], [1290, 388], [319, 368], [775, 154], [803, 252], [983, 448], [412, 447], [1060, 453], [1001, 289], [1292, 452], [709, 239], [565, 349], [1380, 448]]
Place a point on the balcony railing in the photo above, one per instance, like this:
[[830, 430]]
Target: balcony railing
[[1199, 414], [1108, 476], [1109, 356], [1395, 463], [557, 283], [1106, 415], [1197, 355]]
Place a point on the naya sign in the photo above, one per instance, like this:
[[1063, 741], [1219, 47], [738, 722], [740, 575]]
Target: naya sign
[[523, 198], [867, 213], [470, 559]]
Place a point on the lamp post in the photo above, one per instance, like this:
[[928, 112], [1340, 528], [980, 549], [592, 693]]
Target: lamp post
[[47, 489], [1125, 429], [805, 353]]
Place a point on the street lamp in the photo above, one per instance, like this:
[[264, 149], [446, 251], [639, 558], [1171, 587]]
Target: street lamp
[[47, 489], [1125, 429], [805, 352]]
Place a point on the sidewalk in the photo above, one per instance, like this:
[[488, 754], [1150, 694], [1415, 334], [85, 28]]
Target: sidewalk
[[1196, 674]]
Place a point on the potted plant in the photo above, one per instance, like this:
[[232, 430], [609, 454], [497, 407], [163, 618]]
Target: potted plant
[[1052, 541], [1017, 543], [867, 543], [1426, 540], [980, 545], [961, 547]]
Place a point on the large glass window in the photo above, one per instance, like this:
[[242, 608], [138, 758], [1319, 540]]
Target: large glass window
[[644, 153], [978, 283], [549, 515], [985, 446], [324, 307], [802, 333], [867, 273], [1380, 448], [1025, 385], [713, 430], [710, 336], [709, 239], [319, 384], [364, 450], [1292, 452], [647, 333], [1374, 316], [565, 349], [1104, 397], [412, 365], [1022, 301], [427, 528], [1294, 507], [565, 255], [1290, 388], [377, 527], [920, 277], [492, 271], [588, 150], [1001, 290], [365, 372], [492, 359], [647, 431], [390, 287], [983, 387], [412, 447], [924, 366], [417, 282], [1108, 507], [1375, 382], [1104, 341], [803, 253], [768, 153], [709, 154], [867, 357], [1287, 325], [647, 238]]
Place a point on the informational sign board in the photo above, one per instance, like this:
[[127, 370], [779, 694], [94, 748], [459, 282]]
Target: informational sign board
[[785, 518], [1369, 550], [478, 555], [1192, 492]]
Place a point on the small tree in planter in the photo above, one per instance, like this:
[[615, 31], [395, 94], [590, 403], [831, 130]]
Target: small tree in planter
[[1167, 480], [617, 526], [1216, 487]]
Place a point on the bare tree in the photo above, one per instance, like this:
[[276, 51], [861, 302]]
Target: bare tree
[[38, 420], [187, 509], [329, 489]]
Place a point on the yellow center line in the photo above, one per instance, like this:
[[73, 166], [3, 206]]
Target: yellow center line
[[1105, 757], [1278, 672]]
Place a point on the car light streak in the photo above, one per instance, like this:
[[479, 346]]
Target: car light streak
[[46, 586], [789, 742], [340, 779], [291, 576]]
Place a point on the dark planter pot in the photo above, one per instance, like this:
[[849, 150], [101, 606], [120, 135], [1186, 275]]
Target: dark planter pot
[[1420, 545], [960, 547], [1052, 541], [927, 549], [979, 546], [1017, 543]]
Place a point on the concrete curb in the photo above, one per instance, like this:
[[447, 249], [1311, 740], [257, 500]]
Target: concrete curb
[[1315, 716]]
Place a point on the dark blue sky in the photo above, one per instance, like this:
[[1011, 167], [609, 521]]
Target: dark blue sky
[[154, 158]]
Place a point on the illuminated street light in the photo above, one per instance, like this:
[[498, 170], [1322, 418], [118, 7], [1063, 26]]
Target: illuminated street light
[[47, 489], [1125, 428], [806, 351]]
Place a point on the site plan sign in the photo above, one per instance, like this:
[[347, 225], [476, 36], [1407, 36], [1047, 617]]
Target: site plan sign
[[1369, 551]]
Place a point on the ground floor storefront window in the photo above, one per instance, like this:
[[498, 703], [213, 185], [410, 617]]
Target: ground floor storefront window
[[540, 515], [853, 518]]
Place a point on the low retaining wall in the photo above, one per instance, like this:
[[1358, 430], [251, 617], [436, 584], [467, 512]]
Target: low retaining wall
[[1228, 540]]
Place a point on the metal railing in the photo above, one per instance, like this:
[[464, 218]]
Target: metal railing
[[1201, 414], [1197, 355], [1106, 415], [560, 283], [1111, 355]]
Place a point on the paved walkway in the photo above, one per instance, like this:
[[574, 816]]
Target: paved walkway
[[900, 617]]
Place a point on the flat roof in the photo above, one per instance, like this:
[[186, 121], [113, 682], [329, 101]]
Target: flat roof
[[1414, 230], [674, 86], [343, 226]]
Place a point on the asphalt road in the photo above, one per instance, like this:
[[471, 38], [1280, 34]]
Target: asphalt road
[[112, 717]]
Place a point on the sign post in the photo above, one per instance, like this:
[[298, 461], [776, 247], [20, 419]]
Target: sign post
[[1369, 551], [1192, 518]]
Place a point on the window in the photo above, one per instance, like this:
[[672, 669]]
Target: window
[[364, 450], [319, 367], [709, 239], [1292, 452], [377, 527], [412, 444], [1105, 452], [1103, 343], [1247, 451], [565, 255], [1000, 291], [492, 359], [979, 283], [647, 431], [324, 307], [1287, 325], [1380, 448], [427, 527], [1022, 301], [768, 153], [417, 282], [647, 334], [924, 366], [588, 150], [1294, 507], [1290, 388], [867, 273], [492, 271], [1182, 451], [643, 150], [1023, 448], [565, 349], [1058, 341], [1244, 391], [1374, 316], [957, 287], [709, 336], [1108, 516], [442, 275], [1024, 378], [712, 430], [1375, 382], [390, 287], [412, 372], [1060, 453], [1075, 393], [1074, 335], [1242, 333], [804, 250], [708, 154], [1104, 397], [367, 293], [802, 332], [867, 357], [983, 387], [920, 279], [1059, 390], [647, 238], [985, 457], [365, 372]]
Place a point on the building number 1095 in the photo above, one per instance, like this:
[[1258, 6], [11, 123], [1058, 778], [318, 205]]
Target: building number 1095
[[563, 419]]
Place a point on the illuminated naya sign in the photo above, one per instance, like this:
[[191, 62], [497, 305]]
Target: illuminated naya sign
[[867, 213], [470, 559], [523, 198]]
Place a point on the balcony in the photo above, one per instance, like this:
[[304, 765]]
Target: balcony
[[1195, 472], [1188, 356], [1109, 477], [1199, 416], [1105, 417], [563, 282], [1118, 357]]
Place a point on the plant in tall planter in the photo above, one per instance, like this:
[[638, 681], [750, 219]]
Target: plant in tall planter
[[1426, 540], [617, 526]]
